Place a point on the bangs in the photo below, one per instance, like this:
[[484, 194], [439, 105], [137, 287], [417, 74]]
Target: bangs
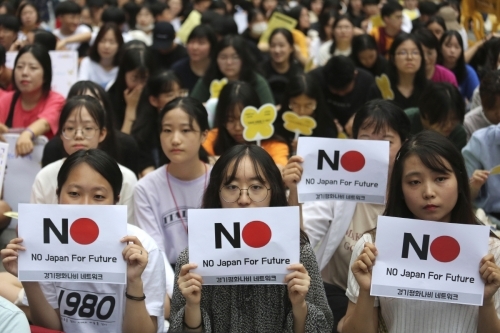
[[432, 161], [378, 121], [231, 168]]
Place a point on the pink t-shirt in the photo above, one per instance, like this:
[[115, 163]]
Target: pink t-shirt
[[48, 108], [442, 74]]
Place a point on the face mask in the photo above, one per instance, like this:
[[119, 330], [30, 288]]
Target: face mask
[[259, 28], [145, 28]]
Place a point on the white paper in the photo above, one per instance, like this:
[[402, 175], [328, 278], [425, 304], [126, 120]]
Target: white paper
[[64, 69], [83, 252], [345, 170], [275, 233], [446, 270], [4, 149]]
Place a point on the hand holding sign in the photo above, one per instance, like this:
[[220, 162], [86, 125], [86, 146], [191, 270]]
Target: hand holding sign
[[10, 254], [362, 267], [190, 284], [136, 257], [258, 124], [298, 124], [298, 283]]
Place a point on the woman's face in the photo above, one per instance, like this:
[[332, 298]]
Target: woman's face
[[80, 131], [166, 97], [198, 49], [245, 178], [304, 22], [85, 186], [303, 105], [180, 136], [229, 63], [317, 6], [29, 17], [175, 7], [328, 28], [386, 134], [436, 29], [430, 58], [367, 57], [451, 51], [28, 74], [269, 5], [407, 58], [86, 18], [356, 5], [444, 128], [343, 31], [108, 46], [234, 127], [145, 18], [279, 49], [429, 195], [133, 78]]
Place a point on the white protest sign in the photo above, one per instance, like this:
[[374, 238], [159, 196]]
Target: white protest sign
[[21, 172], [64, 69], [244, 245], [345, 170], [4, 149], [72, 243], [429, 261]]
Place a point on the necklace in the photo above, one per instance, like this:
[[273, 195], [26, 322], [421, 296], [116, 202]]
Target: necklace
[[175, 201]]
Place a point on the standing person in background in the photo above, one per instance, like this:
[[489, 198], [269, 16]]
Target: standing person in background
[[9, 30], [69, 13], [200, 48], [165, 50], [32, 105], [232, 61], [101, 66], [392, 15], [451, 56]]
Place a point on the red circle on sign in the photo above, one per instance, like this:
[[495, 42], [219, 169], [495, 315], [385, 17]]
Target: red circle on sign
[[445, 249], [352, 161], [256, 234], [84, 231]]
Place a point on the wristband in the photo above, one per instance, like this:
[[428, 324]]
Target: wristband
[[193, 328], [134, 298], [32, 133]]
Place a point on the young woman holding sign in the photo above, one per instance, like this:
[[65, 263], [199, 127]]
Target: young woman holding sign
[[298, 306], [92, 177], [324, 221], [228, 131], [82, 125], [429, 182], [162, 197]]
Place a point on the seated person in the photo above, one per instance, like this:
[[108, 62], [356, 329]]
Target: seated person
[[441, 108]]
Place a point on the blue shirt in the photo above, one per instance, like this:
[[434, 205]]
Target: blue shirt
[[470, 83], [482, 152], [12, 319]]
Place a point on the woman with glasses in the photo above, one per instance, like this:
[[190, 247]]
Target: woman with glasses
[[32, 106], [81, 126], [232, 60], [228, 131], [406, 72], [246, 176]]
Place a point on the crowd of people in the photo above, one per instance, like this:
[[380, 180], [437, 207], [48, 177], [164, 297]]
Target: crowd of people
[[143, 128]]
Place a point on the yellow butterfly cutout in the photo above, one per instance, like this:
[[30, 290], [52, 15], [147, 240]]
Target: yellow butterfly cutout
[[298, 124], [258, 124], [216, 87], [384, 85], [495, 170]]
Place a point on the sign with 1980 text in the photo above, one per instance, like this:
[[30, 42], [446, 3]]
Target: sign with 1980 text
[[244, 245], [344, 170], [430, 261], [72, 243]]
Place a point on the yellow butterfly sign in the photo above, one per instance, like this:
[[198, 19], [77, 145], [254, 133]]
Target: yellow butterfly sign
[[495, 170], [258, 124], [216, 87], [384, 85], [298, 124]]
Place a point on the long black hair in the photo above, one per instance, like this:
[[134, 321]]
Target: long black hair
[[41, 54], [432, 149], [98, 160], [364, 42], [460, 69]]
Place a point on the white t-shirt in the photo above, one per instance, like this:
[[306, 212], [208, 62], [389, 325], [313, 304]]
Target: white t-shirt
[[100, 307], [45, 186], [414, 316], [92, 71], [156, 210], [79, 30]]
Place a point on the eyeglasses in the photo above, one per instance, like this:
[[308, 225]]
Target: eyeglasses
[[256, 193], [233, 58], [406, 53], [71, 132]]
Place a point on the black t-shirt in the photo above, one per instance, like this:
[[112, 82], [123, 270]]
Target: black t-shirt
[[185, 74], [128, 151], [165, 61], [343, 107], [277, 81], [400, 100]]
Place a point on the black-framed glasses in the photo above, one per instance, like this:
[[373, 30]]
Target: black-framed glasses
[[256, 193], [71, 132]]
